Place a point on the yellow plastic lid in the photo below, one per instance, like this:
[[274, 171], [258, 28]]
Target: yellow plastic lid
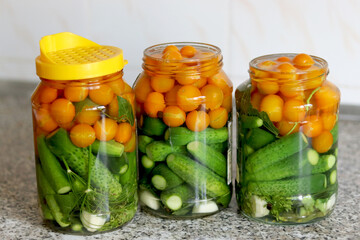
[[67, 56]]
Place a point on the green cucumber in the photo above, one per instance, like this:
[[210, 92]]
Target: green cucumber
[[177, 197], [159, 150], [53, 171], [257, 138], [197, 175], [47, 215], [78, 186], [143, 141], [209, 157], [336, 151], [49, 197], [163, 178], [78, 160], [76, 224], [153, 126], [45, 210], [291, 187], [114, 164], [276, 151], [147, 163], [123, 169], [251, 121], [147, 195], [288, 167], [332, 177], [248, 150], [109, 148], [220, 147], [67, 202], [335, 132], [179, 136], [131, 174], [326, 162]]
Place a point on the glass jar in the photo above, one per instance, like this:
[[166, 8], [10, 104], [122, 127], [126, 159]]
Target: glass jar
[[84, 136], [287, 140], [184, 104]]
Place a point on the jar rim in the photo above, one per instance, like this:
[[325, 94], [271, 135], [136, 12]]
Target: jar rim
[[149, 51], [254, 62]]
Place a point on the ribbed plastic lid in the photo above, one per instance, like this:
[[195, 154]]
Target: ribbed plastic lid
[[67, 56]]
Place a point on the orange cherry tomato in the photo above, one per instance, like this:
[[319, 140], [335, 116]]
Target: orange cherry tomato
[[200, 82], [227, 103], [82, 135], [127, 88], [88, 115], [303, 61], [285, 71], [102, 94], [174, 116], [131, 144], [267, 65], [74, 92], [188, 51], [291, 89], [273, 106], [222, 81], [327, 98], [105, 129], [117, 86], [323, 142], [197, 121], [44, 119], [255, 100], [283, 59], [113, 107], [218, 117], [187, 77], [171, 48], [268, 87], [328, 120], [62, 110], [123, 132], [47, 94], [188, 98], [294, 110], [312, 126], [259, 73], [172, 55], [142, 88], [162, 84], [213, 96], [154, 103], [170, 96], [285, 127]]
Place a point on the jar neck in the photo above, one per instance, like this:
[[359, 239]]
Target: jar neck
[[305, 78], [60, 84], [208, 58]]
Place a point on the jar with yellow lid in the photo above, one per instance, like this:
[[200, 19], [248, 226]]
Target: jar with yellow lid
[[287, 140], [84, 136], [184, 101]]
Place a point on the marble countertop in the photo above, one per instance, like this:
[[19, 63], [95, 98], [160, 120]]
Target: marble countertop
[[19, 218]]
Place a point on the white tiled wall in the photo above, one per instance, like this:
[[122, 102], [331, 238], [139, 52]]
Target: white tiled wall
[[243, 29]]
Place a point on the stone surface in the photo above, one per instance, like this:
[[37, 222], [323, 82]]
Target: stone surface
[[19, 217]]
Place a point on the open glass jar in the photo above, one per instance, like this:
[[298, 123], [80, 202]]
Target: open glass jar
[[184, 110], [287, 140], [84, 135]]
